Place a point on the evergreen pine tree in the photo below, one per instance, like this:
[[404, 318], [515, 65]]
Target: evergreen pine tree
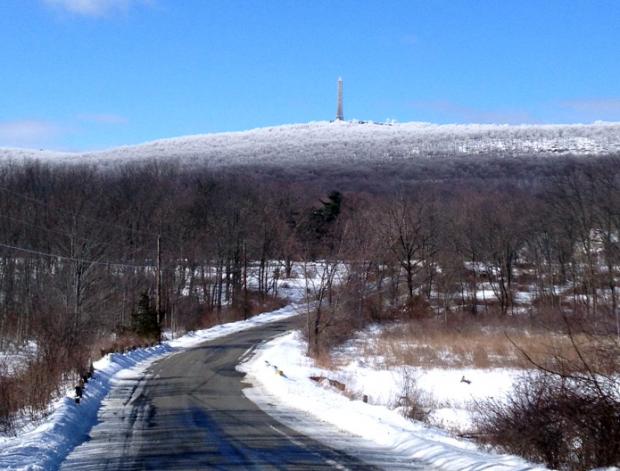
[[144, 319]]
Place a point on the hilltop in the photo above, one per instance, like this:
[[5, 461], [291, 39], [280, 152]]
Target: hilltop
[[352, 141]]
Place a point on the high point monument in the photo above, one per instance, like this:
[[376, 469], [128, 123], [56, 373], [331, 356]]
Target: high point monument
[[339, 112]]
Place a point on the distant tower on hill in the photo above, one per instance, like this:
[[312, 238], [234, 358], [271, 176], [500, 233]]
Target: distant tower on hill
[[339, 113]]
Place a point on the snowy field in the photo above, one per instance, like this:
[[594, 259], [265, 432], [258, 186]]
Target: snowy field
[[280, 374], [451, 394], [45, 445], [351, 142], [280, 371]]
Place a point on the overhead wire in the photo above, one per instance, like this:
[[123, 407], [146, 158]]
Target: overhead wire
[[74, 259], [97, 221], [100, 222], [73, 236], [63, 233]]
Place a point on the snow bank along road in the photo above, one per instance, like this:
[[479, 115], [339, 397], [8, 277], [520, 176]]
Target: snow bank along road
[[183, 405], [189, 412]]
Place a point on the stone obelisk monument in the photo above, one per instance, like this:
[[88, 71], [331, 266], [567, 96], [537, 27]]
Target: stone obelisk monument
[[339, 113]]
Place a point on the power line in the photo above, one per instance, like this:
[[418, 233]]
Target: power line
[[86, 218], [74, 259], [63, 233]]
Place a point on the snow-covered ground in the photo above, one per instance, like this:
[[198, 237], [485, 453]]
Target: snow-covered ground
[[13, 358], [351, 141], [280, 371], [47, 444], [450, 394]]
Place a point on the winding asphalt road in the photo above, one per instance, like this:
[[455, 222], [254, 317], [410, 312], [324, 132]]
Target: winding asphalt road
[[189, 412]]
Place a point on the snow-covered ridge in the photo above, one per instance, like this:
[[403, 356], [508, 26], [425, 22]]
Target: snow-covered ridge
[[352, 141]]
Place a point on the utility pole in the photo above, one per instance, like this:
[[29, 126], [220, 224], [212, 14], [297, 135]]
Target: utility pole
[[158, 281], [245, 281]]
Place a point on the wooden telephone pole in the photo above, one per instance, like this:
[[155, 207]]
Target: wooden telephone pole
[[158, 281]]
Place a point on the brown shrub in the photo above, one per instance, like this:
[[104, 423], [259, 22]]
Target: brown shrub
[[323, 359], [413, 403], [252, 305], [29, 391], [120, 343], [418, 307], [557, 421], [8, 397]]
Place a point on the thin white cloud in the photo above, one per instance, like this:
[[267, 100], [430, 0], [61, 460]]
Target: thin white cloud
[[588, 110], [103, 118], [454, 111], [94, 7], [605, 105], [28, 132]]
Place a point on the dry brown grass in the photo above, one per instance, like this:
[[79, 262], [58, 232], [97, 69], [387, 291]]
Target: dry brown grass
[[120, 343], [252, 306], [324, 359], [29, 391], [477, 343]]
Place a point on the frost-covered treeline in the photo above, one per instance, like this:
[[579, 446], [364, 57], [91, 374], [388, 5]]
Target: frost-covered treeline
[[325, 143]]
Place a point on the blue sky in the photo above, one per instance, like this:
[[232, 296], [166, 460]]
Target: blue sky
[[86, 74]]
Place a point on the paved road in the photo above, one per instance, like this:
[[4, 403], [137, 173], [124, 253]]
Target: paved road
[[189, 413]]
